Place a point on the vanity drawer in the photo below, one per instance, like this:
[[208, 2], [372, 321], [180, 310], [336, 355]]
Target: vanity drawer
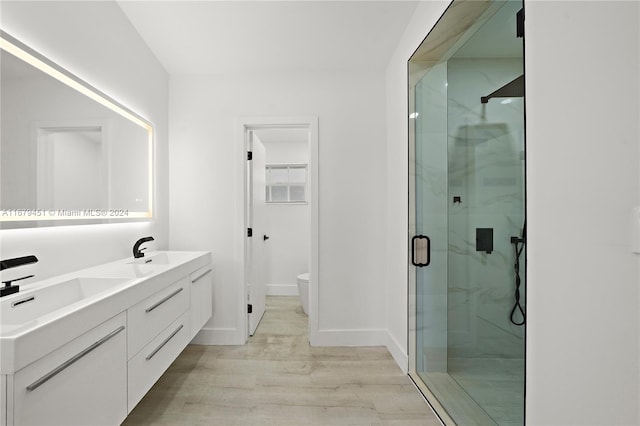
[[80, 383], [152, 361], [149, 317]]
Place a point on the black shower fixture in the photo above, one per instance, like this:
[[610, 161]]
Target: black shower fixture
[[513, 89], [484, 240]]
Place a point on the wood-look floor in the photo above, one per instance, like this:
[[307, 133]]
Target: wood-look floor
[[278, 379]]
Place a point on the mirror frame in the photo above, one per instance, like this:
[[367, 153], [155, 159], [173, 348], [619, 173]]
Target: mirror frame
[[31, 217]]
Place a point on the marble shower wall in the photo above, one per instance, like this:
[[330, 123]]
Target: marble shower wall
[[486, 172]]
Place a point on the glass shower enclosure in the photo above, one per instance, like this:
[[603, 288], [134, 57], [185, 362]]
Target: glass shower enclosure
[[467, 214]]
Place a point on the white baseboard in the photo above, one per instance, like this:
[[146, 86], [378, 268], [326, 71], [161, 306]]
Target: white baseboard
[[282, 289], [399, 355], [219, 336], [355, 337]]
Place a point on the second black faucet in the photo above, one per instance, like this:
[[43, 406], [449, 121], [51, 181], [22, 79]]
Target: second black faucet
[[137, 251]]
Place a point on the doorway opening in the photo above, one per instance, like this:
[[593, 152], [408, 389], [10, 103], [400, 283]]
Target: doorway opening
[[281, 213]]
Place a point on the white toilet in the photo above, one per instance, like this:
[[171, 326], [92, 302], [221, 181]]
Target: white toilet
[[303, 290]]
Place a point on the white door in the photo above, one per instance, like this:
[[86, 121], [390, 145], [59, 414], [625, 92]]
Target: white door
[[256, 270]]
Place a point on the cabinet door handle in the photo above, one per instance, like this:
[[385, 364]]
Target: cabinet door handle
[[200, 276], [164, 342], [70, 361], [151, 308]]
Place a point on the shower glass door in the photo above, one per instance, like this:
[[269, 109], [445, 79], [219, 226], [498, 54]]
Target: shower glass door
[[467, 158]]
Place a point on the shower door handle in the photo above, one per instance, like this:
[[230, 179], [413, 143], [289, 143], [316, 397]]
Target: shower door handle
[[420, 250]]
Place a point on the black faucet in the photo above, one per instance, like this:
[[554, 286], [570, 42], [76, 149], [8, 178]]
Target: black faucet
[[137, 251], [13, 263]]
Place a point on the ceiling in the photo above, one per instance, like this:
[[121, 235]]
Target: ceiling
[[274, 134], [242, 37]]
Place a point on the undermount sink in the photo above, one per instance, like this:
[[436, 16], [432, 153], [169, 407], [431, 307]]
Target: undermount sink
[[30, 305], [46, 314], [158, 259]]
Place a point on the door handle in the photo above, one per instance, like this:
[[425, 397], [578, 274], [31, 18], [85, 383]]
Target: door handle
[[151, 308], [33, 386], [164, 342], [265, 238], [420, 251], [199, 277]]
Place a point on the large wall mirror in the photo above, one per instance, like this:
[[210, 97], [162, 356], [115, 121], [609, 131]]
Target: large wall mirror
[[69, 154]]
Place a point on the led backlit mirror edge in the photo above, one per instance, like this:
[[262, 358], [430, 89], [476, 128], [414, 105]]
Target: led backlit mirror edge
[[20, 50]]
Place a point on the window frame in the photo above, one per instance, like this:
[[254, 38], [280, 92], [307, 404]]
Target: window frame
[[288, 184]]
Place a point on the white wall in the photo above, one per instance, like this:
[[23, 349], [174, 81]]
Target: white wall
[[95, 41], [582, 68], [204, 215], [583, 165], [289, 226], [286, 152]]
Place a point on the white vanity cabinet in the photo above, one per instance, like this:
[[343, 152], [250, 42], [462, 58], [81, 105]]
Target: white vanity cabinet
[[201, 302], [152, 361], [80, 383], [159, 330], [91, 363], [149, 317]]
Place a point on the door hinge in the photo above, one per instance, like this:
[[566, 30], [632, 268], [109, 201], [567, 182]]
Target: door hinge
[[249, 308], [520, 23], [249, 155], [249, 232]]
